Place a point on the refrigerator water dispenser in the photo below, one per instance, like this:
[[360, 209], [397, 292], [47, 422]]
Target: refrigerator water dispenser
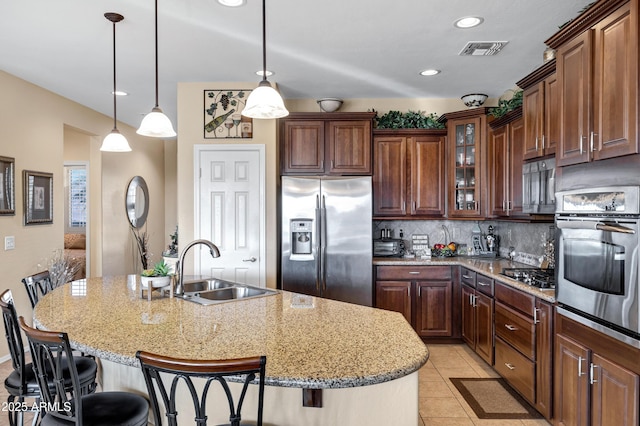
[[301, 239]]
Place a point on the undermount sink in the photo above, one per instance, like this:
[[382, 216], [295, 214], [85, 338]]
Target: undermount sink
[[216, 291]]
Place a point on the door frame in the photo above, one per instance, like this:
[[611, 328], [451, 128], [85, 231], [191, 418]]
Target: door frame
[[198, 149], [87, 228]]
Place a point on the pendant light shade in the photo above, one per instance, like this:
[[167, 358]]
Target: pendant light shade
[[156, 124], [114, 141], [264, 101]]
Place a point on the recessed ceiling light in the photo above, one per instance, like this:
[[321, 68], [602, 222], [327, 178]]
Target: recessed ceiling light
[[468, 22], [430, 72], [269, 73], [231, 3], [120, 93]]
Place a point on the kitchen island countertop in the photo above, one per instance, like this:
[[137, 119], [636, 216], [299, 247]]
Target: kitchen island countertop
[[325, 345], [486, 266]]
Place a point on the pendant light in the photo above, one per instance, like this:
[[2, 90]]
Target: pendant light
[[156, 124], [264, 101], [114, 141]]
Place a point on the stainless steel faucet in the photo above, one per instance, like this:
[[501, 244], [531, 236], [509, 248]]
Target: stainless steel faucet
[[180, 268]]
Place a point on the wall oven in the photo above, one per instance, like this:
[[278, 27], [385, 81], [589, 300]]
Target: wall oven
[[597, 260]]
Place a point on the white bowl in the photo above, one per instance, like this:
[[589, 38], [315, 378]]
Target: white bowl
[[474, 99], [329, 104]]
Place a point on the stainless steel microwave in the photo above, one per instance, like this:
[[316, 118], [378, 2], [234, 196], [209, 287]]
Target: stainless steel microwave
[[538, 186]]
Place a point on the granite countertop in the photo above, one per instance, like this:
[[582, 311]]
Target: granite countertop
[[328, 345], [486, 266]]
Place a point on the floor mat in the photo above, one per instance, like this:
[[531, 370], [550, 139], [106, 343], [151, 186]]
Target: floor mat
[[494, 399]]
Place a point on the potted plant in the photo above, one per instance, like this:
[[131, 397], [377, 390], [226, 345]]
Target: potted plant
[[158, 276]]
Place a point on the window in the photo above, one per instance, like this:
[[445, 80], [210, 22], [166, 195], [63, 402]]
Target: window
[[76, 189]]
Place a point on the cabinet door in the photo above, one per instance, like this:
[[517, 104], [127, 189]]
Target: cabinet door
[[303, 150], [349, 147], [394, 296], [544, 357], [433, 313], [615, 86], [573, 69], [533, 107], [571, 389], [514, 181], [465, 162], [614, 394], [551, 134], [390, 176], [427, 175], [497, 165], [468, 316], [484, 327]]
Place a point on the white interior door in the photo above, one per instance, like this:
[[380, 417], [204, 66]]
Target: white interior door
[[230, 211]]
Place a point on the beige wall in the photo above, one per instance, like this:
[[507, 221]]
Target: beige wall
[[33, 126]]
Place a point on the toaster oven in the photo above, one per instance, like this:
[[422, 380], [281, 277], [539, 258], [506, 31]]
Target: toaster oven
[[388, 247]]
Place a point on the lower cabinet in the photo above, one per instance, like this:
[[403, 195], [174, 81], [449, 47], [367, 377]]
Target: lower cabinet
[[477, 313], [523, 344], [596, 377], [423, 294]]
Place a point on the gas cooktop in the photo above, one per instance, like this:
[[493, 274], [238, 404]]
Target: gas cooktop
[[535, 277]]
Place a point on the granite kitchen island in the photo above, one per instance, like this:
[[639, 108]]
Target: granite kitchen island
[[364, 360]]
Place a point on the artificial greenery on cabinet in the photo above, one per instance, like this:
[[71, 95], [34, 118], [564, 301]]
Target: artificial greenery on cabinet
[[507, 105], [407, 120]]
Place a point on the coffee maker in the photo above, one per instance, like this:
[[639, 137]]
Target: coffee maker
[[487, 245]]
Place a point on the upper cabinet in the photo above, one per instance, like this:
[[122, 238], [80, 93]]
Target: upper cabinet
[[597, 72], [467, 134], [409, 176], [326, 143], [540, 109]]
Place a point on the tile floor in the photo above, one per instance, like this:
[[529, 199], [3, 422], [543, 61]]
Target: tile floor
[[440, 402]]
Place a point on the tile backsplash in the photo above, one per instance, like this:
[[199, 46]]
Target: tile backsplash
[[527, 239]]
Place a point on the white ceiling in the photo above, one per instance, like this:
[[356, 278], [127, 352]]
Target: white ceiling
[[329, 48]]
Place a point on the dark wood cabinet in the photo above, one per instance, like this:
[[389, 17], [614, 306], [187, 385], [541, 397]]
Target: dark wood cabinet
[[423, 294], [597, 69], [477, 313], [409, 176], [326, 143], [596, 377], [523, 344], [467, 134], [540, 112], [504, 166]]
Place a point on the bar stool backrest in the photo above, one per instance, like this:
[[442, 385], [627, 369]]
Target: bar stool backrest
[[211, 370], [14, 338], [37, 285]]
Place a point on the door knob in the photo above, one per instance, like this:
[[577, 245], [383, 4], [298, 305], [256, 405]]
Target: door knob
[[251, 259]]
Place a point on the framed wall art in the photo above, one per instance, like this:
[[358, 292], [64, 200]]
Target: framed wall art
[[222, 115], [38, 197], [7, 186]]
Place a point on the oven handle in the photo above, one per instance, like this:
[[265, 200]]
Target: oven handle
[[598, 226]]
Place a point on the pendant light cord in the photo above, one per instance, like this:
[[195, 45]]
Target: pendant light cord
[[157, 104], [114, 75], [264, 40]]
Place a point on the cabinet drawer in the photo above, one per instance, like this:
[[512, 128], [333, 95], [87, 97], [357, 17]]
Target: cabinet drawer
[[468, 277], [484, 284], [515, 298], [516, 329], [516, 369], [413, 273]]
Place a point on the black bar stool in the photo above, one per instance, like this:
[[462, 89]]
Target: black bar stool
[[22, 382], [37, 285], [211, 370], [48, 350]]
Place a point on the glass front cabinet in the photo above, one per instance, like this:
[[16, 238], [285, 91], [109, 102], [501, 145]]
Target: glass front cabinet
[[467, 140]]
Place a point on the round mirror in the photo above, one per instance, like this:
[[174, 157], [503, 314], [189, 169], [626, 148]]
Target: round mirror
[[137, 202]]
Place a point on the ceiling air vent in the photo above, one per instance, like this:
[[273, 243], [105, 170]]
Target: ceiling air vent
[[482, 48]]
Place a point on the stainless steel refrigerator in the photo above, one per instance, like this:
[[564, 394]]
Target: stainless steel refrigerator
[[326, 245]]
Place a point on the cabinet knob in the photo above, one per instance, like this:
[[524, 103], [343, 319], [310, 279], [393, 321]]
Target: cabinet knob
[[580, 372], [511, 327], [510, 366], [592, 379]]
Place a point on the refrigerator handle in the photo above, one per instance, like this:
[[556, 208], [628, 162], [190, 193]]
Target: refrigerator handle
[[318, 245], [323, 244]]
